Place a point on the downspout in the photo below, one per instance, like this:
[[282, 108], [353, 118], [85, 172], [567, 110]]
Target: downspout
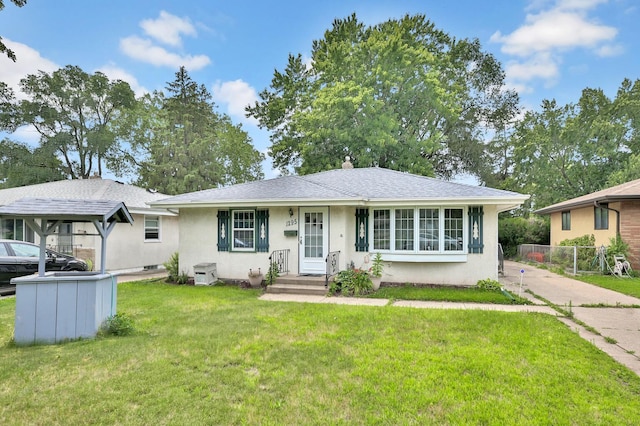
[[597, 204]]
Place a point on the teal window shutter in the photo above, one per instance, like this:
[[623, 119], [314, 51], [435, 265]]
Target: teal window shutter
[[362, 229], [224, 234], [476, 244], [262, 230]]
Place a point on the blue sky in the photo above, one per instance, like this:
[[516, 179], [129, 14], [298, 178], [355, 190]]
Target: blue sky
[[550, 49]]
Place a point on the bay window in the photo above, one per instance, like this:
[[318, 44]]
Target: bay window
[[430, 230]]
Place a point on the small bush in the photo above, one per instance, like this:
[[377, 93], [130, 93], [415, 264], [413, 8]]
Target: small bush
[[182, 278], [351, 282], [616, 247], [173, 267], [272, 273], [489, 284], [117, 325]]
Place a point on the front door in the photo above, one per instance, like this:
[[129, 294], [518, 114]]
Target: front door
[[314, 239]]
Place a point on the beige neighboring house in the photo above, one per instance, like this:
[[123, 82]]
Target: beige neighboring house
[[603, 214], [146, 244], [427, 230]]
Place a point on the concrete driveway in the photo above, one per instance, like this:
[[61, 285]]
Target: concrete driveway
[[617, 323]]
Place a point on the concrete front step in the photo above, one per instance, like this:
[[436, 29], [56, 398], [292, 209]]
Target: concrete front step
[[310, 290], [299, 285]]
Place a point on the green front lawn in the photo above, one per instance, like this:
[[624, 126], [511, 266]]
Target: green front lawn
[[628, 286], [445, 294], [217, 355]]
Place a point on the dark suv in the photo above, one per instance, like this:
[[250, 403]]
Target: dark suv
[[19, 258]]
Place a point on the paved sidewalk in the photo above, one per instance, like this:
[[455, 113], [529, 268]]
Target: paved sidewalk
[[404, 303], [620, 324]]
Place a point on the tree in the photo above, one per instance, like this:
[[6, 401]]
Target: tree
[[562, 152], [187, 146], [21, 165], [402, 95], [3, 48], [73, 112]]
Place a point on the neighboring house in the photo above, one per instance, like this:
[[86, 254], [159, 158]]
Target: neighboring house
[[146, 244], [427, 230], [601, 214]]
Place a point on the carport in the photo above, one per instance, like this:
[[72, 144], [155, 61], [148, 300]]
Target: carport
[[57, 306]]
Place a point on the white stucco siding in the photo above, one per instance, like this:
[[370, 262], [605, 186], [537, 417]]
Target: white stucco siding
[[199, 243], [199, 238], [127, 249]]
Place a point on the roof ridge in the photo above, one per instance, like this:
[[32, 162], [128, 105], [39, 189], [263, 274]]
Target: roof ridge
[[106, 183], [331, 187]]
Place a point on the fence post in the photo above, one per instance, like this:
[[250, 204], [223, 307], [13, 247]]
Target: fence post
[[575, 260]]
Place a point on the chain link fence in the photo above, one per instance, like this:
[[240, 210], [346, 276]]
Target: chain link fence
[[572, 259]]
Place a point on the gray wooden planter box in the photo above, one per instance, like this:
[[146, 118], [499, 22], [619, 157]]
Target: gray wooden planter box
[[62, 306]]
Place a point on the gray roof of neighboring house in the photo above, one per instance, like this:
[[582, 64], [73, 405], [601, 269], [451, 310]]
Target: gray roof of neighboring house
[[625, 191], [135, 198], [66, 209], [344, 186]]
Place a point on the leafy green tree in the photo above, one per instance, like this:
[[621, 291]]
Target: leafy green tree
[[21, 165], [73, 112], [563, 152], [3, 48], [401, 95], [186, 145]]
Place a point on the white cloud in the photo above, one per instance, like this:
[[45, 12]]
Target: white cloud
[[554, 30], [236, 95], [546, 35], [579, 4], [28, 62], [609, 50], [168, 28], [144, 50], [117, 73], [539, 66]]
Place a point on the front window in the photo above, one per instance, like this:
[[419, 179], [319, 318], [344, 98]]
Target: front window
[[152, 228], [243, 230], [404, 229], [453, 229], [429, 230], [418, 230], [566, 221], [382, 229]]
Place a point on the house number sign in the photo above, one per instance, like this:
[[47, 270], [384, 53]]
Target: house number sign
[[291, 222]]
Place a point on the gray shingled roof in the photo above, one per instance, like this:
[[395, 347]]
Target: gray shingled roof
[[65, 209], [625, 191], [344, 186], [134, 197]]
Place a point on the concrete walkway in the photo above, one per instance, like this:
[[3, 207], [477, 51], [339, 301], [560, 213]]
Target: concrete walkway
[[621, 324]]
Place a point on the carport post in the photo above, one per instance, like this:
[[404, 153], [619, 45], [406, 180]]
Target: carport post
[[104, 229], [43, 230]]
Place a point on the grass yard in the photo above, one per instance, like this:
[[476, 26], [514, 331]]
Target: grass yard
[[446, 294], [217, 355], [628, 286]]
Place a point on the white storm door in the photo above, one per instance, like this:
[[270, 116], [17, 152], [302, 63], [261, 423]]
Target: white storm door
[[314, 239]]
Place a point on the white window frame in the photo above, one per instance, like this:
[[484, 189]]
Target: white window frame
[[232, 218], [150, 228], [442, 254]]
